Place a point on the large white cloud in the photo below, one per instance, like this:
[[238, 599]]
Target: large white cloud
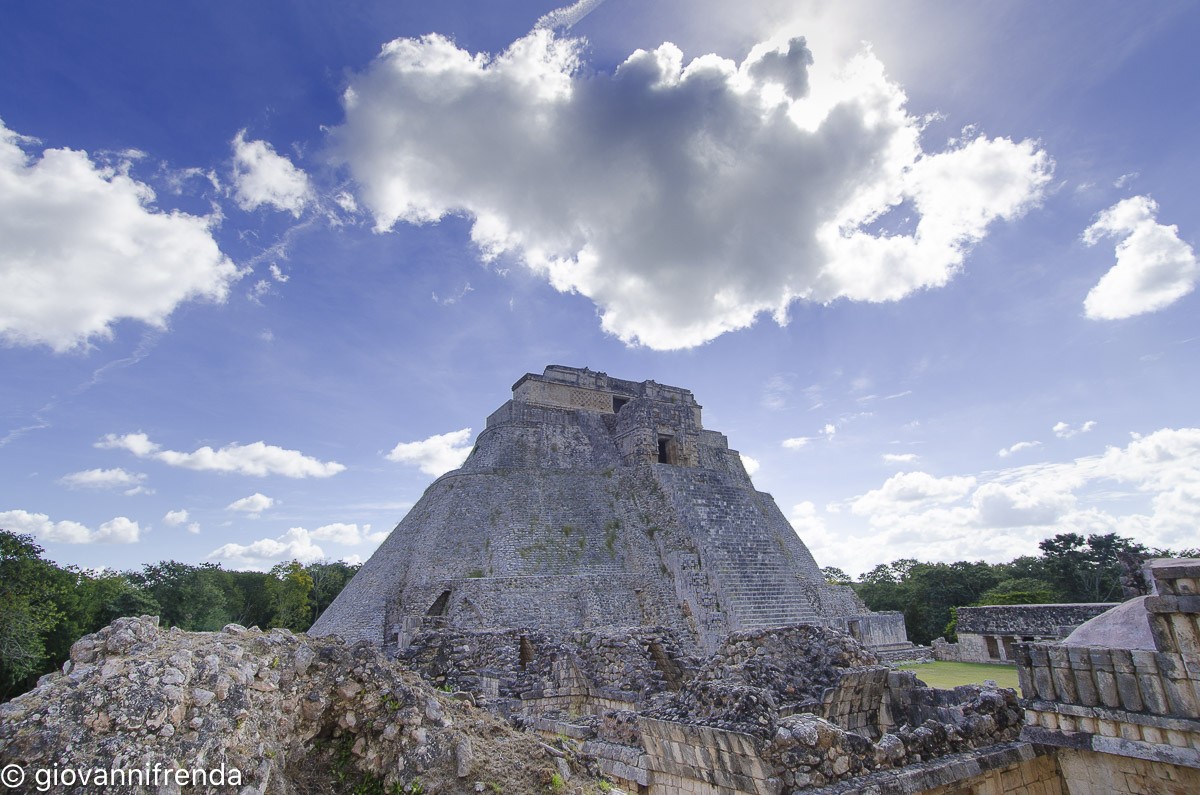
[[436, 455], [82, 246], [120, 530], [263, 176], [1154, 267], [683, 200], [258, 459]]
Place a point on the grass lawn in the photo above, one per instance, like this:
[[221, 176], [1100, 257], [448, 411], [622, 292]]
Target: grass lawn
[[952, 674]]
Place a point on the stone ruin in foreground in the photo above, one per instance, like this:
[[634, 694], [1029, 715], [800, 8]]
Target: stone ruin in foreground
[[1115, 708]]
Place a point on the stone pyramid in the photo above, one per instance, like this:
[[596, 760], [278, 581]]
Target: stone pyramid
[[591, 502]]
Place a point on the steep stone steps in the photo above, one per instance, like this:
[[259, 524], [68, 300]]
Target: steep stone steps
[[753, 566]]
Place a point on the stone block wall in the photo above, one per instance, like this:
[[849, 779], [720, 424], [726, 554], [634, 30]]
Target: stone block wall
[[701, 760], [1091, 773]]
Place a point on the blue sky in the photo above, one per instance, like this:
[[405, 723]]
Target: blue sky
[[265, 268]]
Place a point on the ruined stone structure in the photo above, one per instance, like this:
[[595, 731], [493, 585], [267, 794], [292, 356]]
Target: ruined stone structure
[[988, 634], [1120, 698], [592, 502]]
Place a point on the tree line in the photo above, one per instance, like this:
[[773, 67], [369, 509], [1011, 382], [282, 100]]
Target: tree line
[[44, 607], [1070, 568]]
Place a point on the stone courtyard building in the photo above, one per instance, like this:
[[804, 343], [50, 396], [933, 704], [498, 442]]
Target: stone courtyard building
[[989, 634]]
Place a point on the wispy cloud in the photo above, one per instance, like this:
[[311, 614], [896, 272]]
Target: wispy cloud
[[1018, 447], [1065, 431], [257, 459]]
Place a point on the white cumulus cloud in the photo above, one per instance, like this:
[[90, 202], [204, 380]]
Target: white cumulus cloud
[[263, 176], [104, 479], [82, 246], [436, 455], [348, 534], [258, 459], [254, 504], [734, 188], [909, 491], [1154, 267], [120, 530], [175, 518], [796, 442], [1010, 510], [1021, 504], [295, 544], [751, 464]]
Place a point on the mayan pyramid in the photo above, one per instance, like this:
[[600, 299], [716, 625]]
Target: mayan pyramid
[[591, 502]]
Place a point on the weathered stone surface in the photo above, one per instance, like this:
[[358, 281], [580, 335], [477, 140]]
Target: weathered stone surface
[[595, 503], [343, 716]]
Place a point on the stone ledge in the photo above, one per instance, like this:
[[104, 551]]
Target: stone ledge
[[1083, 741], [1166, 722], [935, 773]]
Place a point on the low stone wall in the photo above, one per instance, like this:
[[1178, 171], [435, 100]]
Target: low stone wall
[[1044, 619], [989, 634]]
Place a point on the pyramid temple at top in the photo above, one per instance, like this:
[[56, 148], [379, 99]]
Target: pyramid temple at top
[[591, 502]]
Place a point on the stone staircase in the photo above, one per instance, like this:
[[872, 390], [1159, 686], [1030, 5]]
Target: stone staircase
[[753, 567]]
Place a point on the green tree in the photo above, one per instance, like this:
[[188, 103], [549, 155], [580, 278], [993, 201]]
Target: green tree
[[191, 597], [1019, 591], [926, 592], [30, 591], [329, 578], [248, 598], [835, 576], [1086, 569], [289, 588]]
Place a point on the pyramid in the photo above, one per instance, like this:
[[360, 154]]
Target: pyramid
[[592, 502]]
